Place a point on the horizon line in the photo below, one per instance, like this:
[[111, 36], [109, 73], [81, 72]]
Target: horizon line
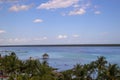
[[37, 45]]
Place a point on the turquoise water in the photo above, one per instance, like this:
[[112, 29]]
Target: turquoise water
[[65, 58]]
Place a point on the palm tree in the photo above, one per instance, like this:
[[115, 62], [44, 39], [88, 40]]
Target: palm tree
[[89, 68], [12, 63], [33, 69], [67, 75], [113, 72], [101, 62], [36, 69], [100, 65], [80, 72]]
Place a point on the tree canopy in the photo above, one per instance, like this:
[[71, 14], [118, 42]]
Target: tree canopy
[[32, 69]]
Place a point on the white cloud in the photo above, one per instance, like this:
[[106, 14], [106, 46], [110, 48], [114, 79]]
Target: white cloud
[[77, 12], [76, 7], [2, 31], [76, 36], [16, 8], [24, 40], [44, 38], [62, 36], [40, 39], [18, 40], [97, 12], [80, 9], [38, 21], [54, 4]]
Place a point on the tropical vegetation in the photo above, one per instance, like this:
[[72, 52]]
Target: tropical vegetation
[[13, 68]]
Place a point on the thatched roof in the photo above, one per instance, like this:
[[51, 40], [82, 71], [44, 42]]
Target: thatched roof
[[45, 56]]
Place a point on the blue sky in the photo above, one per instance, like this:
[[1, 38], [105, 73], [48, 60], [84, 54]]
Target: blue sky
[[59, 22]]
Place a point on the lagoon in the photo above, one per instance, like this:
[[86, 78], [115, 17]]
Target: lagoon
[[65, 57]]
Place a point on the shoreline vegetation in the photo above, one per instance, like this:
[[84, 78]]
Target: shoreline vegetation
[[12, 68]]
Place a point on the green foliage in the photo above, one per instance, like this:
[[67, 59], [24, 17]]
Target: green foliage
[[96, 70], [24, 70], [33, 69]]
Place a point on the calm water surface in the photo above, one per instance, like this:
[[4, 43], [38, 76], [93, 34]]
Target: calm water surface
[[65, 58]]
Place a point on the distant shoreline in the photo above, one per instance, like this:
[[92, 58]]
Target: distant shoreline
[[64, 45]]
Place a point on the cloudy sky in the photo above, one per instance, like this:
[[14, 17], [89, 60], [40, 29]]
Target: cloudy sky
[[59, 22]]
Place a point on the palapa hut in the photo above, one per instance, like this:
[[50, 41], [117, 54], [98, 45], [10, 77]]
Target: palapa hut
[[45, 56]]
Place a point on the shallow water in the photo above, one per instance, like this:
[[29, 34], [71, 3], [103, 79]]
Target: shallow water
[[65, 58]]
